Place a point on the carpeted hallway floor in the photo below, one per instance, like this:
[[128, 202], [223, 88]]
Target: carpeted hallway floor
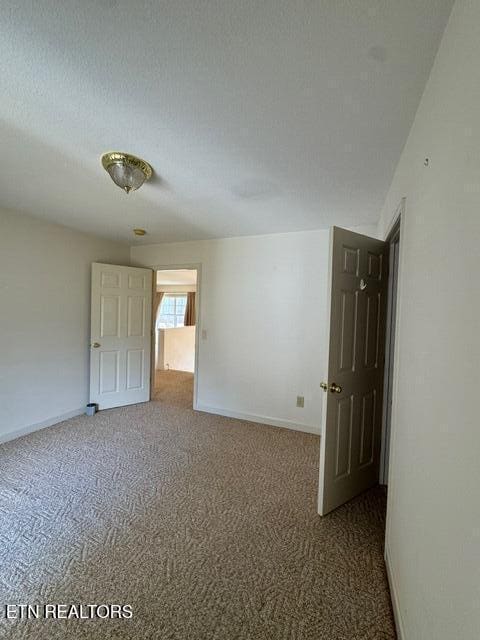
[[206, 526]]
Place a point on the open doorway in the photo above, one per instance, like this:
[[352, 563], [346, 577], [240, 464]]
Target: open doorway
[[175, 313]]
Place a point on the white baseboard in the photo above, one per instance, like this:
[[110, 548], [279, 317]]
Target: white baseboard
[[274, 422], [23, 431], [394, 593]]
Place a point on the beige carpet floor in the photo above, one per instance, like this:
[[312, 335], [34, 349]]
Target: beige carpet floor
[[206, 526]]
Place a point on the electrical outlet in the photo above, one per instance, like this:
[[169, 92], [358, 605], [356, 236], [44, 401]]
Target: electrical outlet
[[204, 334], [300, 402]]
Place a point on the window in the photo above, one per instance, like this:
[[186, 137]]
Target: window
[[172, 311]]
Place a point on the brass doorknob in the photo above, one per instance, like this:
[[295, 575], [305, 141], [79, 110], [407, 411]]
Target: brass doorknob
[[334, 387], [95, 345]]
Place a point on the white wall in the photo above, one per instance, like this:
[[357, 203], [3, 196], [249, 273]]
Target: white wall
[[178, 349], [433, 532], [44, 319], [262, 305], [263, 308]]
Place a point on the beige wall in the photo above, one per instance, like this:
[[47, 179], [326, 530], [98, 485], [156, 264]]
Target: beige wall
[[262, 322], [176, 349], [260, 346], [44, 319], [433, 530]]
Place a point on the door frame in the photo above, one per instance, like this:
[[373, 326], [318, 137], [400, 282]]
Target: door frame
[[400, 213], [194, 266], [390, 337]]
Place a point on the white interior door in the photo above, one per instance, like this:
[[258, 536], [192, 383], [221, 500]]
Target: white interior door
[[352, 415], [120, 345]]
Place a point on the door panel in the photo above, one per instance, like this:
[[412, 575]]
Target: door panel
[[108, 375], [343, 453], [137, 282], [351, 260], [347, 337], [109, 316], [372, 328], [135, 368], [375, 265], [110, 280], [367, 433], [120, 335], [350, 442], [136, 316]]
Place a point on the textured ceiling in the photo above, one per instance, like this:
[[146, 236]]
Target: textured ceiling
[[257, 116]]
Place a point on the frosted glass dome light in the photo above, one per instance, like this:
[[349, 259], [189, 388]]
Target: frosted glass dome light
[[128, 172]]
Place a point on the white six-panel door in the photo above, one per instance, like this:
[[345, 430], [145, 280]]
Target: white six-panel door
[[351, 434], [120, 343]]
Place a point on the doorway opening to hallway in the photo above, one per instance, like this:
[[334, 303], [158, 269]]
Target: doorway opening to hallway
[[174, 323]]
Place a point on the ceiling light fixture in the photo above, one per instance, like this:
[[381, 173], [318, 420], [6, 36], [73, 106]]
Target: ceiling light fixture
[[139, 232], [127, 171]]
